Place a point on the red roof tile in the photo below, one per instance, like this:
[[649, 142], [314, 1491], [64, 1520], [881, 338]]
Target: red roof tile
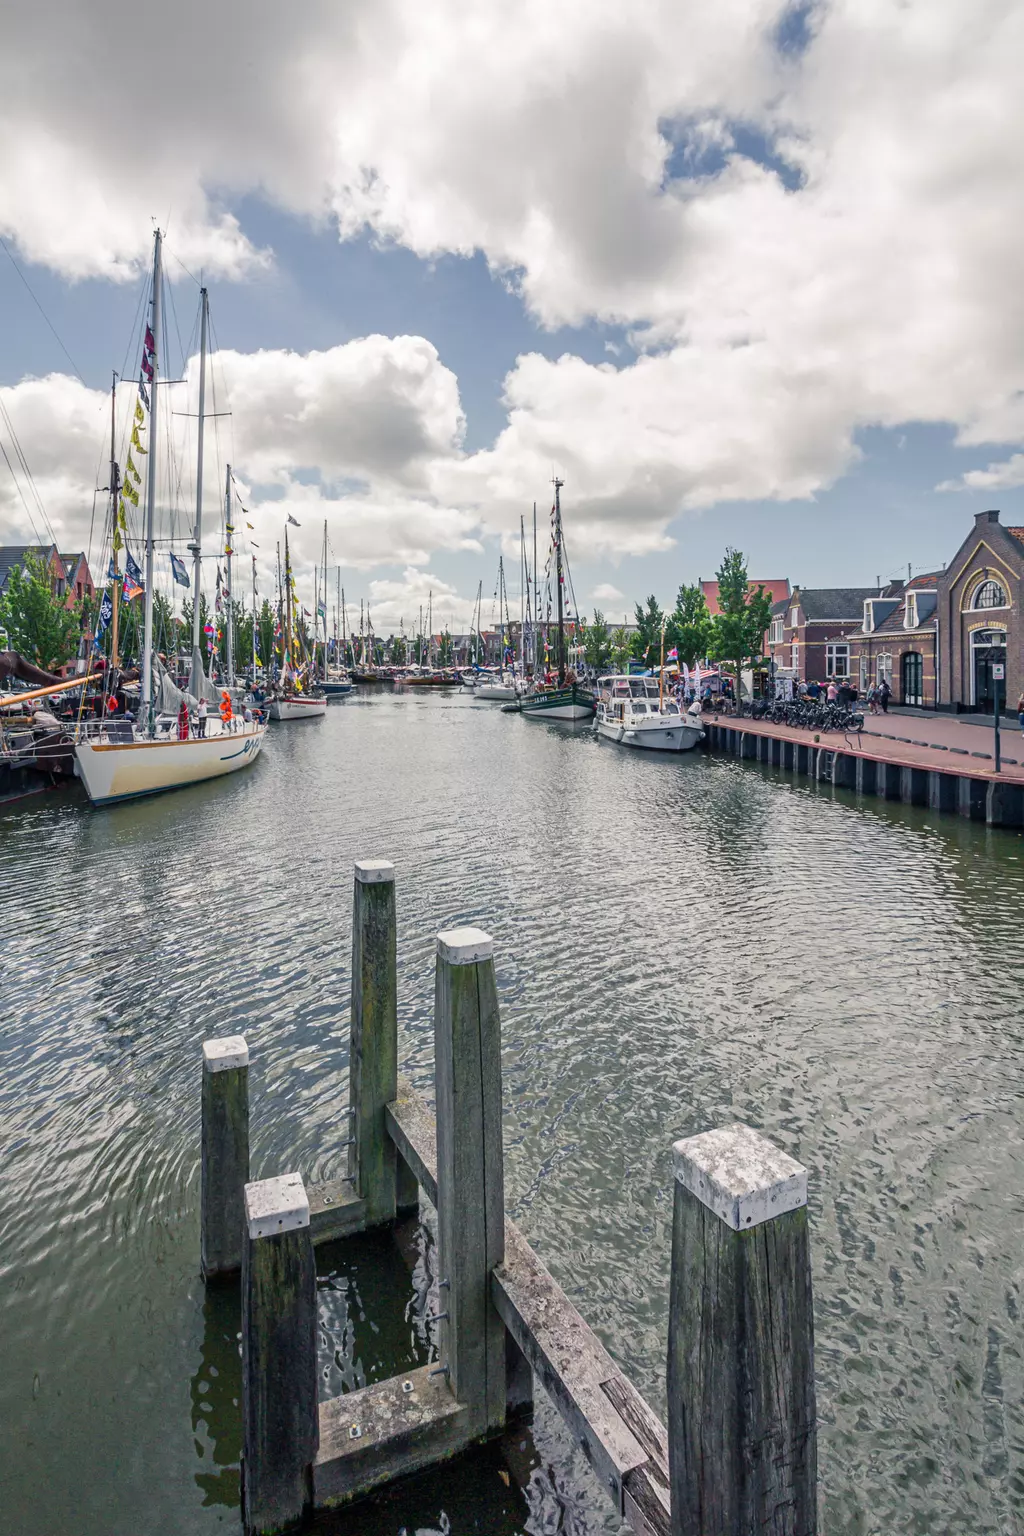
[[778, 590]]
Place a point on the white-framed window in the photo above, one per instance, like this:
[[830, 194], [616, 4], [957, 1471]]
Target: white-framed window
[[883, 667], [795, 662], [775, 633], [837, 659], [864, 664], [910, 611], [869, 615], [989, 595], [794, 618]]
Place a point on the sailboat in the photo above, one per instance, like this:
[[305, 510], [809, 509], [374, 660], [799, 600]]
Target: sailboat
[[570, 700], [334, 681], [127, 759], [289, 699], [500, 686]]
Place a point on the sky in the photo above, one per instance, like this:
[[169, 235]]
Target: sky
[[740, 275]]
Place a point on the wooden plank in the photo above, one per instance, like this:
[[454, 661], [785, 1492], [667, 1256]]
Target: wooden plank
[[742, 1420], [567, 1357], [646, 1502], [373, 1055], [280, 1425], [384, 1431], [411, 1126], [334, 1211], [225, 1154], [470, 1173]]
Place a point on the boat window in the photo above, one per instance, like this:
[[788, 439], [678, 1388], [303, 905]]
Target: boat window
[[636, 687], [652, 688], [639, 709], [671, 707], [621, 690]]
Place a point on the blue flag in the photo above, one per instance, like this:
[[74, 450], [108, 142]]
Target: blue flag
[[112, 571], [142, 392], [106, 614], [180, 573]]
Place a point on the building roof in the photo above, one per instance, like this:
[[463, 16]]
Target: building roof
[[777, 590], [12, 555], [1016, 533], [820, 604]]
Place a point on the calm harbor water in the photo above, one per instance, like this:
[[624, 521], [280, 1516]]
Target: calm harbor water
[[679, 944]]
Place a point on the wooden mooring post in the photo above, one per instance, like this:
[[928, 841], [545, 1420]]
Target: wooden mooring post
[[225, 1154], [739, 1455]]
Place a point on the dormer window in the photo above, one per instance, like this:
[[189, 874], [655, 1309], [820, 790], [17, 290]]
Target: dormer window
[[910, 616], [869, 616], [989, 595]]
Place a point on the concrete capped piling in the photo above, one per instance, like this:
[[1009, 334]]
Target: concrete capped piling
[[225, 1154], [470, 1177], [280, 1423], [741, 1398]]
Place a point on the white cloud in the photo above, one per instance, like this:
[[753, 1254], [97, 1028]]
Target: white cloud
[[997, 477], [868, 273], [606, 593]]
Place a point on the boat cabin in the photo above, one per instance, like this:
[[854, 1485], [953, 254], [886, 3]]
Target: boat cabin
[[621, 696]]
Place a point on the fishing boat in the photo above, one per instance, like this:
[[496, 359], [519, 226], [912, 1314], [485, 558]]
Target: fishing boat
[[570, 700], [125, 759], [636, 712]]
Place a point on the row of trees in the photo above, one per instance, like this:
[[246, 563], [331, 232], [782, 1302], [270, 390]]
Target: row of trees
[[734, 635]]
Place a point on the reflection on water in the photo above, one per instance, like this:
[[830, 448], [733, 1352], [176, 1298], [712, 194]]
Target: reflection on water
[[678, 944]]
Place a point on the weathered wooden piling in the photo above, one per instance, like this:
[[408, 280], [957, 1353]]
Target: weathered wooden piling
[[225, 1154], [280, 1423], [373, 1056], [741, 1400], [470, 1176]]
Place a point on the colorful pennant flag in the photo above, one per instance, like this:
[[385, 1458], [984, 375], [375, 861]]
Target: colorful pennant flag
[[142, 392], [150, 344], [147, 366], [140, 415], [137, 440], [105, 616], [132, 580], [178, 570]]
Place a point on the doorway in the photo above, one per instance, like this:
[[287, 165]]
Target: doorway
[[988, 647], [912, 678]]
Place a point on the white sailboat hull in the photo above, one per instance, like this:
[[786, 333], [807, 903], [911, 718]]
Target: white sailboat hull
[[501, 691], [297, 707], [653, 736], [124, 770]]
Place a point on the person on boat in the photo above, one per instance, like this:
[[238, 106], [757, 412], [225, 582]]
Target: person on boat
[[201, 713], [183, 721]]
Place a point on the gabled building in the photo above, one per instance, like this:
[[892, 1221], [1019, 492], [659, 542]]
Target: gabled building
[[808, 635], [896, 640], [13, 556], [979, 598], [78, 577], [777, 591]]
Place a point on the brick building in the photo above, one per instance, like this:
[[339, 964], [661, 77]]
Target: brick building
[[979, 617], [808, 638], [896, 639]]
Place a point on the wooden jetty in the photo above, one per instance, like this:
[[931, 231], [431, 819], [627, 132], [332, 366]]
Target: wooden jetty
[[739, 1452], [890, 768]]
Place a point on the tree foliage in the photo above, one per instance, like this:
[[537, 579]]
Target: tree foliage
[[620, 649], [739, 628], [597, 646], [690, 626], [39, 624], [445, 649], [646, 643]]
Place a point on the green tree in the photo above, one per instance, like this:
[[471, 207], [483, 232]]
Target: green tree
[[165, 628], [399, 650], [596, 644], [620, 649], [242, 622], [646, 643], [738, 633], [39, 623], [187, 610], [445, 649], [690, 626]]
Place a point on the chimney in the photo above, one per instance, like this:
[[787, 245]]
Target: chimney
[[981, 518]]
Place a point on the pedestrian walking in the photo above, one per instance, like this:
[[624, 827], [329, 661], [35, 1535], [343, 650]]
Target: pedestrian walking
[[873, 698], [1020, 712], [884, 695]]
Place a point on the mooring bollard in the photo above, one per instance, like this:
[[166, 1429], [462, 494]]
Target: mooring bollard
[[741, 1401], [378, 1175], [280, 1417], [225, 1154], [470, 1180]]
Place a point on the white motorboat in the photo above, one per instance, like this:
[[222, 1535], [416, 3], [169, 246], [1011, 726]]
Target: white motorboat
[[297, 706], [497, 687], [632, 713]]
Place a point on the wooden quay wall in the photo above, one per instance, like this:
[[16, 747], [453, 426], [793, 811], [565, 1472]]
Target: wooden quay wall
[[889, 768], [738, 1454]]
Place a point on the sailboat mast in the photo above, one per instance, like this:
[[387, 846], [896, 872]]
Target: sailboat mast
[[114, 490], [287, 661], [536, 593], [254, 621], [501, 615], [197, 532], [523, 577], [228, 552], [558, 575], [280, 600], [147, 633]]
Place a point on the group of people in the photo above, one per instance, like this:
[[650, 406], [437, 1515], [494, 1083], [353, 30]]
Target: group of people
[[841, 691]]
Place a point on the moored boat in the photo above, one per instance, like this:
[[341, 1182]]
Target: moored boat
[[634, 712], [297, 706], [570, 700]]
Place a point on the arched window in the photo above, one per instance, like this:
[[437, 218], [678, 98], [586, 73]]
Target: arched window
[[990, 595]]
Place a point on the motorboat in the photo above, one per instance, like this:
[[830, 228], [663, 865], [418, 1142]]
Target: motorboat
[[635, 712]]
